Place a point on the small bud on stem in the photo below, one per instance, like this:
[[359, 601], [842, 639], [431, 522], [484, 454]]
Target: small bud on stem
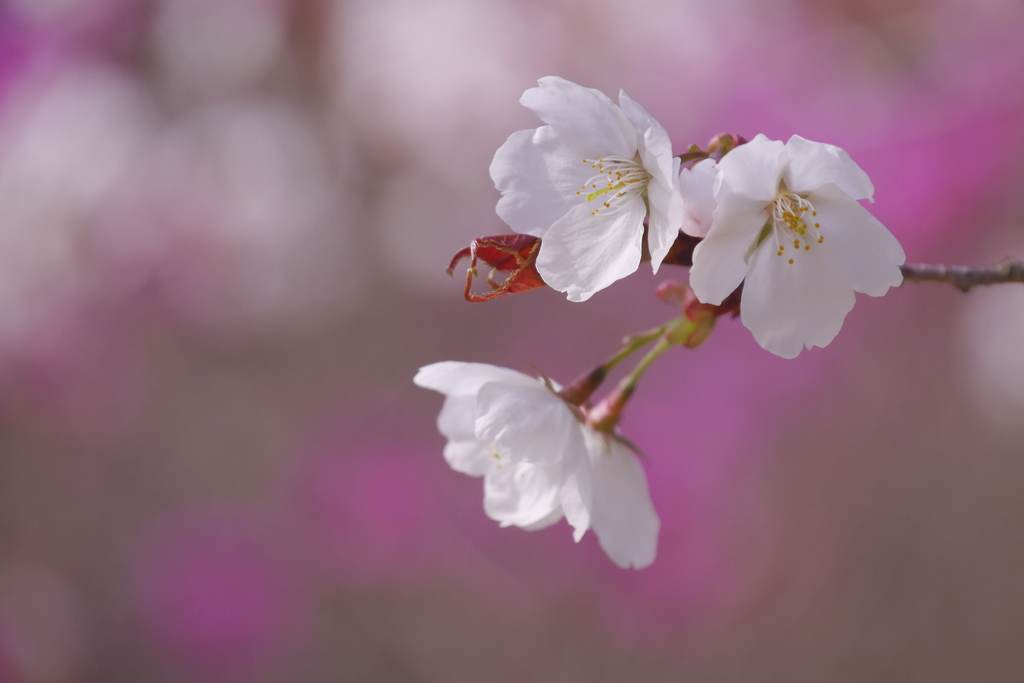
[[606, 414], [582, 387], [718, 147], [723, 143]]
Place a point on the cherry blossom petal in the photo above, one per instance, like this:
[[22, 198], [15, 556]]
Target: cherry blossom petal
[[457, 378], [524, 423], [623, 516], [468, 456], [790, 306], [582, 254], [871, 254], [544, 523], [664, 198], [458, 417], [457, 423], [697, 186], [537, 172], [813, 164], [666, 205], [753, 170], [720, 260], [653, 143], [523, 494], [577, 490], [662, 227], [585, 114]]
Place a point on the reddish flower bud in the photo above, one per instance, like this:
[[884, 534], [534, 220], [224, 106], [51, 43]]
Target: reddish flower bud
[[513, 254], [580, 390], [679, 294], [672, 292], [606, 415], [723, 143], [696, 311], [698, 318]]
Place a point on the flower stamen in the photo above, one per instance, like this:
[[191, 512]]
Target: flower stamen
[[788, 212], [619, 178]]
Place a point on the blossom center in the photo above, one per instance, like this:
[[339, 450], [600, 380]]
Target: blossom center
[[618, 180], [792, 220]]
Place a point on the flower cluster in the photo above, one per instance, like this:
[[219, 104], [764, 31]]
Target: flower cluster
[[772, 232], [782, 218]]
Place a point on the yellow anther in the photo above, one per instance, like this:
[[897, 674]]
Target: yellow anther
[[617, 174], [791, 261]]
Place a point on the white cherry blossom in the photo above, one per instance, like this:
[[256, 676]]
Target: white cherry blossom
[[787, 223], [584, 182], [540, 462]]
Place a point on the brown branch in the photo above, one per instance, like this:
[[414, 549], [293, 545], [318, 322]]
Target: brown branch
[[965, 277]]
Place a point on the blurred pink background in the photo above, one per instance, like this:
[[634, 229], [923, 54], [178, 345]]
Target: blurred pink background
[[223, 232]]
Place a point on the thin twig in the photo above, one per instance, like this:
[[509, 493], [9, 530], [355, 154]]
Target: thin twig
[[965, 277]]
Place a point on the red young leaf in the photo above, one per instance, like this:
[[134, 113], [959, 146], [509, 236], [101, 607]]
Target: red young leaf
[[513, 254]]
